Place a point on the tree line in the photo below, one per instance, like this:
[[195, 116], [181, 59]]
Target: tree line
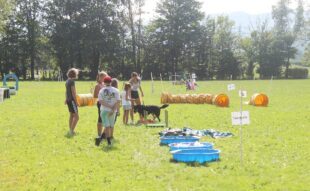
[[112, 35]]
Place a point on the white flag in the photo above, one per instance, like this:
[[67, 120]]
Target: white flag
[[231, 87], [242, 93]]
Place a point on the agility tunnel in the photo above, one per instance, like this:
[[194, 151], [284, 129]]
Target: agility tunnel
[[259, 99], [85, 100], [221, 100]]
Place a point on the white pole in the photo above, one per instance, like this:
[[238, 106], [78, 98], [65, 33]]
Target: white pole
[[152, 82], [241, 142], [161, 81], [175, 77]]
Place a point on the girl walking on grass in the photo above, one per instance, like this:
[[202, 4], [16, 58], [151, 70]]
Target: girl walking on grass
[[135, 82], [70, 101], [114, 83], [126, 102]]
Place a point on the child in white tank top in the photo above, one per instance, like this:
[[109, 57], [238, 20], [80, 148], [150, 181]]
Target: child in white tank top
[[126, 102]]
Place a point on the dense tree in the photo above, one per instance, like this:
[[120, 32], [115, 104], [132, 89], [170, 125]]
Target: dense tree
[[28, 12], [306, 57], [85, 34], [5, 8], [225, 44], [111, 35], [285, 36], [249, 54], [175, 34], [299, 17]]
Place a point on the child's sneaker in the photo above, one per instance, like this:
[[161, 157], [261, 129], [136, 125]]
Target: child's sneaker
[[98, 141], [71, 133], [109, 141]]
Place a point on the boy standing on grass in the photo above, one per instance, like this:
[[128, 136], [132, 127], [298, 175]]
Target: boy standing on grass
[[71, 102], [114, 83], [109, 99], [101, 75]]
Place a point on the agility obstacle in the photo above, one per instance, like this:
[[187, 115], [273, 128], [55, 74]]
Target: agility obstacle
[[259, 99], [6, 91], [154, 124], [85, 100], [9, 76], [221, 100]]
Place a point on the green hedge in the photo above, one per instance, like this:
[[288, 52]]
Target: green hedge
[[298, 73]]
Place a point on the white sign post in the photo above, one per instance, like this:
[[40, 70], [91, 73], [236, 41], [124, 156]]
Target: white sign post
[[194, 76], [152, 82], [1, 95], [242, 93], [231, 87], [241, 118], [161, 82]]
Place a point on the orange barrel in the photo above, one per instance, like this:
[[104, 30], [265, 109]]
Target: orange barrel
[[221, 100], [259, 99], [85, 100]]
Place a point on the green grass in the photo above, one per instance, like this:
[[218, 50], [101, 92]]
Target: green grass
[[35, 154]]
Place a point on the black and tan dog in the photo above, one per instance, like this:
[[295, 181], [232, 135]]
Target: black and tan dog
[[149, 109]]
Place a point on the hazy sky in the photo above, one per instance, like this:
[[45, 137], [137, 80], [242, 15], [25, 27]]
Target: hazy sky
[[225, 6]]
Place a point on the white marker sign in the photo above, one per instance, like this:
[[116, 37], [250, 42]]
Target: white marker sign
[[240, 118], [1, 95], [231, 87], [242, 93]]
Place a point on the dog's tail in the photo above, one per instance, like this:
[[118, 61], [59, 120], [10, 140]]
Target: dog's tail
[[164, 106]]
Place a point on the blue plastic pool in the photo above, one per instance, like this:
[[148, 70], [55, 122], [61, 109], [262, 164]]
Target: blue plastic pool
[[165, 140], [190, 145], [196, 155]]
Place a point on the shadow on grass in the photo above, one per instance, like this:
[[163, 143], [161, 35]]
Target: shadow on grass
[[116, 141], [195, 164], [107, 148], [69, 135]]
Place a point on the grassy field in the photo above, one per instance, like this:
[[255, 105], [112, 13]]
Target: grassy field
[[35, 153]]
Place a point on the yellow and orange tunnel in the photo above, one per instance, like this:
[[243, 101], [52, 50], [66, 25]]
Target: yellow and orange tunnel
[[221, 100], [259, 99], [85, 100]]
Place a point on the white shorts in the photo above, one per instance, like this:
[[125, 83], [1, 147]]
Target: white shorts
[[127, 107]]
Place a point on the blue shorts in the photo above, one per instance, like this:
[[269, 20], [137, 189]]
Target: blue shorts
[[107, 119]]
